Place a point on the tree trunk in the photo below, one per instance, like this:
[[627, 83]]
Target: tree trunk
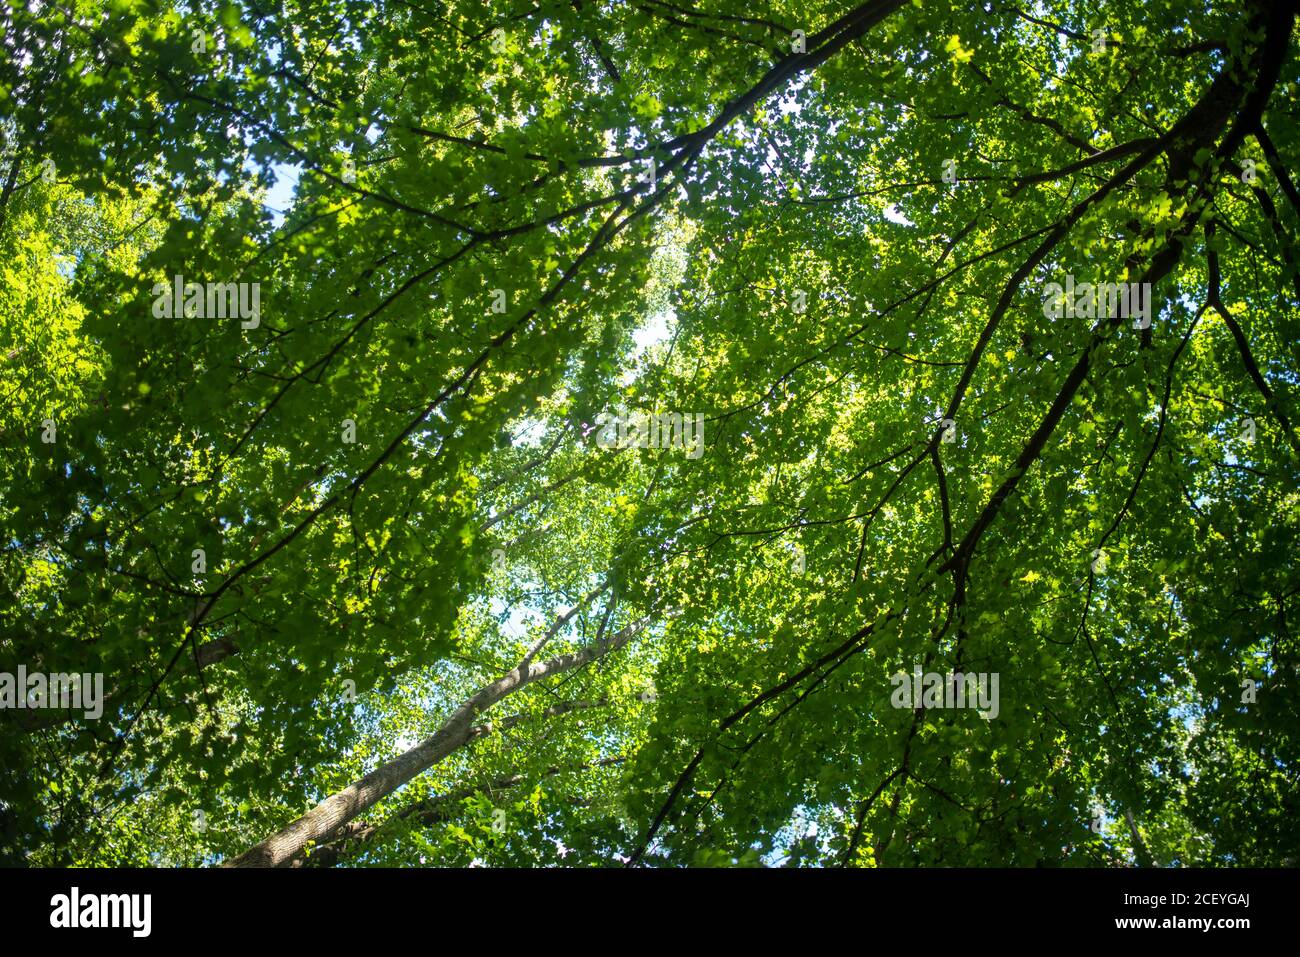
[[324, 819]]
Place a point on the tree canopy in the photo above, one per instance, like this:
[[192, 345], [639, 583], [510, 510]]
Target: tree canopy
[[569, 432]]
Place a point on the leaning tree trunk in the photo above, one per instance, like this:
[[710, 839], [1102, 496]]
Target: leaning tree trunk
[[320, 823]]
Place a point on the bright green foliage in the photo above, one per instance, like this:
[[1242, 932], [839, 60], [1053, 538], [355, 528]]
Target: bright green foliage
[[510, 218]]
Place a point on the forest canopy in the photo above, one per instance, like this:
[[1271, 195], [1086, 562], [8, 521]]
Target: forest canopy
[[649, 432]]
